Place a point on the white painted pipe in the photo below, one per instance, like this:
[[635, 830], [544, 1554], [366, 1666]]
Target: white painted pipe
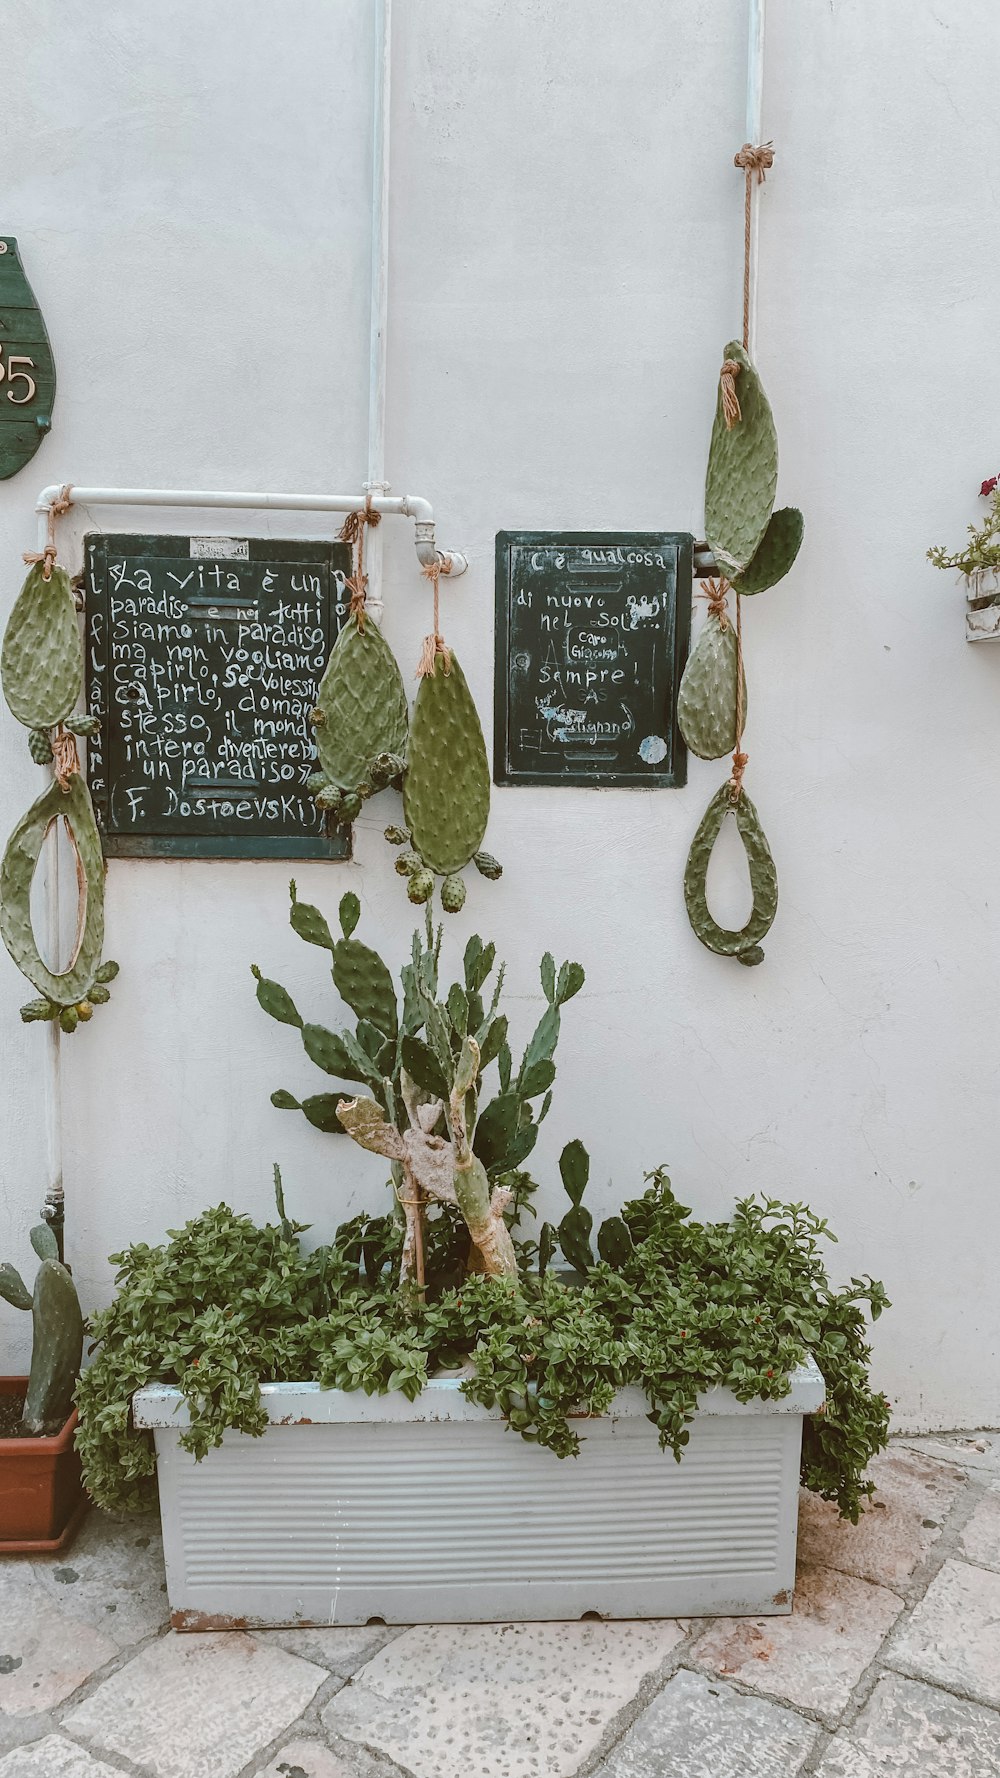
[[378, 311], [754, 135], [407, 505]]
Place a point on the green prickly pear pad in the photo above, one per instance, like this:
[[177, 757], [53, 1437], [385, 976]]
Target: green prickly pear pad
[[742, 474], [41, 662], [19, 860], [361, 705], [745, 944], [706, 702], [446, 794], [775, 553]]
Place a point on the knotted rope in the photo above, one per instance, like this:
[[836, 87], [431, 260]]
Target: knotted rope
[[739, 758], [731, 411], [47, 556], [716, 596], [752, 160], [434, 644], [352, 531], [65, 757]]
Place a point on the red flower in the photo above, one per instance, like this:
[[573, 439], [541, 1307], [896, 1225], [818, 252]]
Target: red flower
[[988, 486]]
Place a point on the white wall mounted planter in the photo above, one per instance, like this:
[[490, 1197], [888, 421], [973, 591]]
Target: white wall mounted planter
[[353, 1507], [982, 605]]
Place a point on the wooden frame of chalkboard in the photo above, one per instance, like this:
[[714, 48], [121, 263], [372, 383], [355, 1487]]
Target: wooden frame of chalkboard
[[591, 638], [204, 656]]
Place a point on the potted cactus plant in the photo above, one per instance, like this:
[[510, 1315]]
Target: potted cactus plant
[[41, 1494], [371, 1427]]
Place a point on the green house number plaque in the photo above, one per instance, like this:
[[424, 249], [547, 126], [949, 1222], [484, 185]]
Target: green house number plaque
[[591, 639], [27, 373]]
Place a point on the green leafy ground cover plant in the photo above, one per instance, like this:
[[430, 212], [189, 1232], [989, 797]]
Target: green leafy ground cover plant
[[680, 1306]]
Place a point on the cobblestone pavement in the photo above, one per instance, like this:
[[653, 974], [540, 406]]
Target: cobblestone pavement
[[889, 1664]]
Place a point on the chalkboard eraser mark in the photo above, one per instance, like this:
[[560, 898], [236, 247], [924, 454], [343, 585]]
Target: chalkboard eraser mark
[[245, 609], [589, 758], [224, 786]]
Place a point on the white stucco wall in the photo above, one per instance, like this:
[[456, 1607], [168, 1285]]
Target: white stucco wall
[[190, 189]]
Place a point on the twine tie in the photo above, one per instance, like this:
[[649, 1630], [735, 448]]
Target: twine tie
[[752, 160], [352, 531], [434, 644]]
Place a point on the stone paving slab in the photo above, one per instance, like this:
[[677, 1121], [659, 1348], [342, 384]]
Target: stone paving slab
[[44, 1654], [498, 1700], [977, 1452], [915, 1731], [54, 1757], [953, 1635], [340, 1651], [914, 1496], [697, 1728], [980, 1539], [304, 1759], [814, 1657], [197, 1706]]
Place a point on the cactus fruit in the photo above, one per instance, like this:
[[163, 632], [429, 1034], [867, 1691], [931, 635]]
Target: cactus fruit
[[407, 862], [420, 886], [16, 873], [362, 704], [487, 865], [446, 792], [706, 702], [742, 471], [40, 746], [744, 944], [57, 1335], [41, 662], [397, 836], [775, 553], [453, 894]]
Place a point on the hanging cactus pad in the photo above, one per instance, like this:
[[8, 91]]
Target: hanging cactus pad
[[361, 705], [446, 794], [775, 553], [41, 663], [742, 471], [744, 944], [69, 986], [706, 702]]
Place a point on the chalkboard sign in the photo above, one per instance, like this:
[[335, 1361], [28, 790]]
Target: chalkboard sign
[[592, 634], [204, 656]]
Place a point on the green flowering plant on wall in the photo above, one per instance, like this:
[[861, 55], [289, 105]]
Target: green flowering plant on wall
[[981, 554]]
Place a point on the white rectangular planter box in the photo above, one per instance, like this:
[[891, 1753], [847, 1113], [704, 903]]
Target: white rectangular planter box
[[353, 1507]]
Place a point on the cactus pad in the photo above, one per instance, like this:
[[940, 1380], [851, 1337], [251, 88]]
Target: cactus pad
[[742, 471], [446, 796], [41, 662], [745, 944], [16, 872], [362, 979], [361, 705], [56, 1349], [775, 553], [706, 702]]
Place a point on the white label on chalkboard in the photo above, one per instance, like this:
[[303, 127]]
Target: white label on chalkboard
[[221, 549]]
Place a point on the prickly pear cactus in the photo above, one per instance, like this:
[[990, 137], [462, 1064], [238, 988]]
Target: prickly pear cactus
[[361, 706], [446, 792], [775, 553], [68, 988], [742, 471], [744, 945], [41, 662], [57, 1334], [706, 702]]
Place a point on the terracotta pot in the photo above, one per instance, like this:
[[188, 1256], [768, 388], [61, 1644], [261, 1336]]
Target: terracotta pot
[[42, 1502]]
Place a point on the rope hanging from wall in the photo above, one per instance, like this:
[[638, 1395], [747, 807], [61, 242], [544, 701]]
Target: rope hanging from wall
[[754, 547]]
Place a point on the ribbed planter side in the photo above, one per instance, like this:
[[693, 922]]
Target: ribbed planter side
[[353, 1507]]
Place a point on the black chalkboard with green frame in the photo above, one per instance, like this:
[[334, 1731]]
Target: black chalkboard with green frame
[[591, 639], [204, 656]]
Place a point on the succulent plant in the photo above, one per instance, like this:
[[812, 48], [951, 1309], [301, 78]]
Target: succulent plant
[[57, 1334], [744, 944], [360, 722], [413, 1052], [706, 701], [41, 662], [68, 987], [446, 791], [742, 470], [775, 554]]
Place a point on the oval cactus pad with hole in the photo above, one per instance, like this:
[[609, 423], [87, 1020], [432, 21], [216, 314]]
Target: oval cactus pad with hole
[[16, 872]]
